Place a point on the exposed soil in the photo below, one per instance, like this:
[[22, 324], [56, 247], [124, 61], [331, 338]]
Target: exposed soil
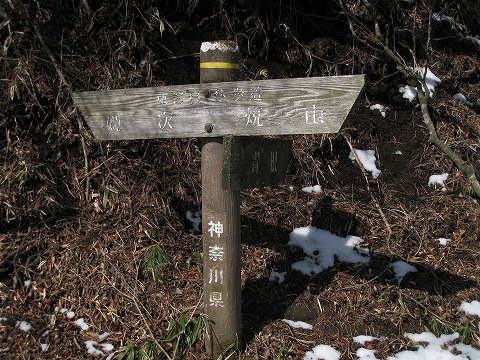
[[84, 253]]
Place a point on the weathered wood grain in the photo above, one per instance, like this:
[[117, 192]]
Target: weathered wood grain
[[241, 108]]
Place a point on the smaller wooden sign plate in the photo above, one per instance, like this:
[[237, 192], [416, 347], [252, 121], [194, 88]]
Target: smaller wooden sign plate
[[250, 162]]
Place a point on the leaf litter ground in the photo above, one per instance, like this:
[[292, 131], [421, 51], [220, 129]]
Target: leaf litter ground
[[85, 254]]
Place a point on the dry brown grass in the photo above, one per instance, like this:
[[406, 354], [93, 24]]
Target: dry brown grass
[[80, 230]]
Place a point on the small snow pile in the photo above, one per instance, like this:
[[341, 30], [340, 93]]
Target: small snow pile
[[81, 324], [298, 324], [362, 339], [438, 179], [401, 268], [443, 347], [431, 80], [278, 277], [93, 348], [43, 345], [367, 158], [97, 348], [381, 108], [408, 92], [70, 314], [312, 189], [23, 326], [462, 98], [429, 347], [196, 219], [322, 352], [321, 247], [363, 353], [470, 308], [366, 354], [443, 241]]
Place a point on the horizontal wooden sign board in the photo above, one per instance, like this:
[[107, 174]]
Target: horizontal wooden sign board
[[242, 108], [250, 162]]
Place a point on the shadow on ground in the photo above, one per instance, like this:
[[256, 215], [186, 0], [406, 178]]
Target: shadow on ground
[[264, 301]]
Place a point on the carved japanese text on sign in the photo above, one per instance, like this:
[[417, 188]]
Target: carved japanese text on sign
[[267, 107], [250, 162], [216, 271]]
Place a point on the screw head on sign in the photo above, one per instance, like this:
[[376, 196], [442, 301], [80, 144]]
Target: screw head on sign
[[206, 93], [208, 128]]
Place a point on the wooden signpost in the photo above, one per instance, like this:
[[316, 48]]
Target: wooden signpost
[[230, 116]]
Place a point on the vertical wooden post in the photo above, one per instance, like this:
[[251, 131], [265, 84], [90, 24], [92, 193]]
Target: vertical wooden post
[[219, 61]]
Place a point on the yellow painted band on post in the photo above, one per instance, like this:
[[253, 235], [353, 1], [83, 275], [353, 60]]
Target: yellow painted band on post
[[218, 65]]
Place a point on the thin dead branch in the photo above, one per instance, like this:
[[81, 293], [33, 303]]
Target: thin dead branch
[[140, 308], [374, 199]]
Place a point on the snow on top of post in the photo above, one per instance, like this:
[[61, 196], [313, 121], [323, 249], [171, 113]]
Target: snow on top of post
[[222, 45]]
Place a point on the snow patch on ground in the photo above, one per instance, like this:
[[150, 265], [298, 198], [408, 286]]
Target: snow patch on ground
[[298, 324], [322, 352], [312, 189], [23, 326], [438, 179], [367, 158], [431, 80], [381, 108], [322, 247], [462, 98], [401, 268], [196, 219], [443, 241], [471, 308], [278, 277]]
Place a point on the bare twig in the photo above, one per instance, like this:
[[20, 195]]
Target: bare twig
[[138, 305], [374, 199], [87, 8]]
